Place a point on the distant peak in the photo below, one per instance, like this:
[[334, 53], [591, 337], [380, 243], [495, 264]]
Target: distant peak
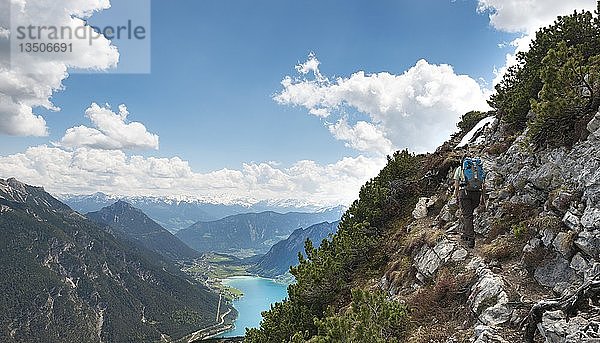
[[122, 204]]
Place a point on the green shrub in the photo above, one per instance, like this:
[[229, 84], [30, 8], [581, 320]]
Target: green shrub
[[524, 81], [469, 120], [325, 277], [370, 318], [569, 95]]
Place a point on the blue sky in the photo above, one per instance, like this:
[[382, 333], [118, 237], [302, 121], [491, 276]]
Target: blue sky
[[217, 65]]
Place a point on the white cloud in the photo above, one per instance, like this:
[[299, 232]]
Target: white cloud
[[86, 170], [526, 17], [30, 80], [417, 109], [111, 131], [363, 136]]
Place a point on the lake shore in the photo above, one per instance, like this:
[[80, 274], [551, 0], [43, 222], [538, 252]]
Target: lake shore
[[259, 294]]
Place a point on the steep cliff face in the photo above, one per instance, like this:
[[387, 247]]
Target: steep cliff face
[[535, 270], [64, 279]]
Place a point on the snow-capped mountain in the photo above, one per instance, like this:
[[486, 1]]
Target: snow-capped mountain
[[175, 213]]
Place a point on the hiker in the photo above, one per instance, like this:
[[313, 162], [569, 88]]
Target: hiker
[[469, 191]]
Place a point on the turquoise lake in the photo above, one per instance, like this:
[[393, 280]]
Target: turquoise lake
[[259, 294]]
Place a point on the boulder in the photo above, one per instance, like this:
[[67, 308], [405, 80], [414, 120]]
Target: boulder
[[422, 207], [591, 218], [489, 299], [571, 221], [563, 243], [427, 261], [556, 272], [589, 242], [555, 327], [579, 263], [594, 125]]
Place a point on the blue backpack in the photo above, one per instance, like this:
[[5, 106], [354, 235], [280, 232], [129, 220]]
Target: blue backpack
[[472, 169]]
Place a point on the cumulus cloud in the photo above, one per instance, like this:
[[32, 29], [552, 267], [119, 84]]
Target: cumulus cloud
[[29, 81], [85, 170], [111, 131], [363, 137], [526, 17], [417, 109]]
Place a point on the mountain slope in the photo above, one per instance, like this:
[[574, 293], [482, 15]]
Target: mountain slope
[[284, 254], [127, 220], [64, 279], [255, 232]]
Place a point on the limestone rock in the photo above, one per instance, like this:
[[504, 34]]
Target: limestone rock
[[563, 243], [496, 315], [591, 218], [444, 249], [555, 328], [427, 261], [589, 243], [592, 271], [421, 209], [579, 263], [562, 201], [594, 125], [446, 214], [487, 334], [459, 254], [556, 272], [489, 299], [571, 221], [547, 237]]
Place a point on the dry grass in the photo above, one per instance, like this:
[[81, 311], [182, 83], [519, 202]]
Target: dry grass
[[546, 222], [502, 248], [420, 236], [443, 300], [512, 214]]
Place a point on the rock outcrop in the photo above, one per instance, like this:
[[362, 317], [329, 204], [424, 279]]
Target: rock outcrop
[[538, 241]]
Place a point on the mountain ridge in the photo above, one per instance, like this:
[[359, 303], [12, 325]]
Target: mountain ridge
[[284, 254], [175, 213], [64, 279], [255, 232], [134, 224]]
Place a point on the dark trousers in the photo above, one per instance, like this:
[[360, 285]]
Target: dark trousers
[[469, 200]]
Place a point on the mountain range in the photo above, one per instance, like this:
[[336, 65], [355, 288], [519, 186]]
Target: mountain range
[[284, 254], [65, 279], [250, 233], [176, 213], [123, 219]]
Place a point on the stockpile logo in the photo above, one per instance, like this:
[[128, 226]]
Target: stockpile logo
[[117, 38]]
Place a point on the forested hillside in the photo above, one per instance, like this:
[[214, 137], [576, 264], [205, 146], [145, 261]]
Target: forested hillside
[[64, 279], [395, 272], [130, 223]]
